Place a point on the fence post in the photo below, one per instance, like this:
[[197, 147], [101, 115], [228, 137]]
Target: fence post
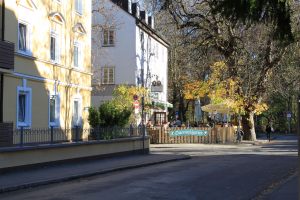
[[21, 136], [76, 133], [51, 134]]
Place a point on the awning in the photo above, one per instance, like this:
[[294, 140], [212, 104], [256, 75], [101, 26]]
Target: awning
[[217, 108], [168, 105]]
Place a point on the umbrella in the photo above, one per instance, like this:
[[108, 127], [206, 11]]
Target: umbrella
[[217, 108], [198, 111]]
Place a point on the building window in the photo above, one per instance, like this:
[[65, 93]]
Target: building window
[[54, 110], [78, 57], [108, 75], [108, 37], [23, 107], [159, 118], [76, 112], [54, 48], [23, 38], [78, 6]]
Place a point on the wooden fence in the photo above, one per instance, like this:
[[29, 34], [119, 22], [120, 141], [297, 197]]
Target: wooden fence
[[160, 135]]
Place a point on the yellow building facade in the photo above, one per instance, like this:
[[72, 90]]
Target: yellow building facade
[[50, 84]]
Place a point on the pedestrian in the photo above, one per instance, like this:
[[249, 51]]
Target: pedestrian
[[269, 130], [240, 134], [178, 123]]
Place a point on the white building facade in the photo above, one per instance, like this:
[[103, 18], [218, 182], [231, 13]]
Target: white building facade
[[127, 50]]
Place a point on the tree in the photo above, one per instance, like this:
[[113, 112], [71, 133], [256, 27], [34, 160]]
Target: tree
[[277, 12], [252, 51], [185, 64]]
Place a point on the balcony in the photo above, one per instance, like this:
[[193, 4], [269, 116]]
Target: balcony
[[7, 60]]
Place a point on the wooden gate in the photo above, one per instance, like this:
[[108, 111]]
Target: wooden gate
[[160, 135]]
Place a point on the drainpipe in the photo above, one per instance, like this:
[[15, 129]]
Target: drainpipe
[[2, 76]]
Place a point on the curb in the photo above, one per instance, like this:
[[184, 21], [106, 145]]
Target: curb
[[89, 174]]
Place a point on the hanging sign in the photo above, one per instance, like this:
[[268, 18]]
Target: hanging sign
[[188, 132]]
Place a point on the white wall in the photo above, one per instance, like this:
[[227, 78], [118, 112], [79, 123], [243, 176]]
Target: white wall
[[127, 56], [122, 55], [154, 60]]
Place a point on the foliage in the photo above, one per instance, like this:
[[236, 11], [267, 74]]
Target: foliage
[[118, 111], [196, 89], [253, 11], [94, 117], [123, 96], [111, 115]]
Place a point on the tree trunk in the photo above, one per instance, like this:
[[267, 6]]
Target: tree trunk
[[249, 126], [182, 116], [252, 130]]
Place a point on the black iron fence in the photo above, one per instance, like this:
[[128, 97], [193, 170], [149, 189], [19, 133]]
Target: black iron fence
[[52, 135]]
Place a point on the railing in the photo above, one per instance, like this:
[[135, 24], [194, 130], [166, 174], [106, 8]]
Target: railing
[[32, 137]]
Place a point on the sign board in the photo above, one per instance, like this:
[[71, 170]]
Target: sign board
[[135, 97], [289, 115], [188, 132], [157, 88], [154, 95], [136, 105]]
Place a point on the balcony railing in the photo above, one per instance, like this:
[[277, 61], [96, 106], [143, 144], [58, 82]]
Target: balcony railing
[[7, 60]]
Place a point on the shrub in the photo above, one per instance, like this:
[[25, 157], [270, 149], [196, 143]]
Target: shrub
[[113, 116], [94, 117]]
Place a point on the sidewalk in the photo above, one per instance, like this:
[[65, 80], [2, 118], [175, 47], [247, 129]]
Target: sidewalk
[[55, 173]]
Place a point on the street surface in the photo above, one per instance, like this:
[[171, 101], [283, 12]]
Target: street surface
[[245, 171]]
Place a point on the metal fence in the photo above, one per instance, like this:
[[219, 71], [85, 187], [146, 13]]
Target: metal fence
[[54, 135]]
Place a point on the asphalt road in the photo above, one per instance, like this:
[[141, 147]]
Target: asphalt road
[[243, 171]]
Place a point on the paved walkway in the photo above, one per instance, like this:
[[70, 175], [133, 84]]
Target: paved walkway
[[19, 179]]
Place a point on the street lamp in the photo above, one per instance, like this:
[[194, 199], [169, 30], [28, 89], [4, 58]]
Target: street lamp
[[145, 85]]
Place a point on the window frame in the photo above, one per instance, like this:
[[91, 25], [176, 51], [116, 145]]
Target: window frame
[[57, 55], [80, 58], [28, 107], [108, 43], [56, 122], [78, 122], [27, 50], [108, 82]]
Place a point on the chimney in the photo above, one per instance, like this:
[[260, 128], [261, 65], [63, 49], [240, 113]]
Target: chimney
[[150, 21], [135, 10], [146, 17], [129, 3], [125, 4], [143, 15]]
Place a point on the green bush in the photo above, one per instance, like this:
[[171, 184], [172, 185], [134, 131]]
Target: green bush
[[111, 116], [94, 117]]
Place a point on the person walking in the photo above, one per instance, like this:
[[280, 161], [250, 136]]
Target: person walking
[[269, 130]]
